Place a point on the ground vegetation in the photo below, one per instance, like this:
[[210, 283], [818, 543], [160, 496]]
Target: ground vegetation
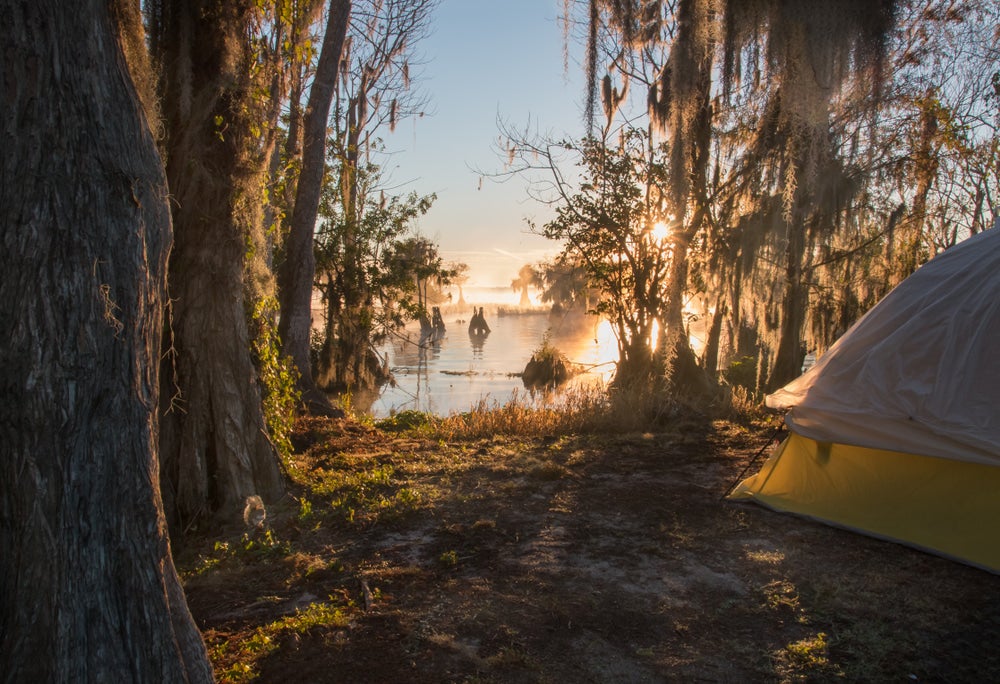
[[426, 550]]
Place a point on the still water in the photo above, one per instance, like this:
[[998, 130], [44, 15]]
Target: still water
[[456, 373]]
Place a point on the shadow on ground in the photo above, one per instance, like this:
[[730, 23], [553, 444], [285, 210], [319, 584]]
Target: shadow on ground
[[573, 559]]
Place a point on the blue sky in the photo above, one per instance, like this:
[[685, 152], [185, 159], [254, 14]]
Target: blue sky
[[486, 59]]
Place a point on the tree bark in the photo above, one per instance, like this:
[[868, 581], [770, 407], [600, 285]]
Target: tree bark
[[710, 359], [788, 356], [86, 575], [214, 443], [298, 270], [690, 151]]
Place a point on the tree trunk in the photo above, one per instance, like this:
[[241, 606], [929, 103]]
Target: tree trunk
[[788, 356], [636, 365], [686, 377], [214, 444], [326, 371], [710, 359], [298, 270], [690, 150], [86, 575]]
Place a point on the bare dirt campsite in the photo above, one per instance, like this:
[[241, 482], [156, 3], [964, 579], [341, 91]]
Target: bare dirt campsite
[[403, 557]]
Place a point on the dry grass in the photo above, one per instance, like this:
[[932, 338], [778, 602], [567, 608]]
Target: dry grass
[[587, 409]]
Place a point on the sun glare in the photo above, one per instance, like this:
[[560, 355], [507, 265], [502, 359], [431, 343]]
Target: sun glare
[[660, 231]]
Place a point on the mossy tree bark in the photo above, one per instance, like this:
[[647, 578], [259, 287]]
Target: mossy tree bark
[[214, 444], [88, 584]]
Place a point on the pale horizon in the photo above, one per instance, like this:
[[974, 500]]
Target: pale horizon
[[519, 77]]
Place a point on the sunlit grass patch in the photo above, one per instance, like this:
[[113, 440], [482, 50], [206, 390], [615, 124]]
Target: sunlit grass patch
[[806, 660], [519, 416], [547, 471], [331, 482], [356, 494], [237, 659], [781, 595], [764, 556]]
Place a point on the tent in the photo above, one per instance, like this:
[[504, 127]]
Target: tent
[[895, 431]]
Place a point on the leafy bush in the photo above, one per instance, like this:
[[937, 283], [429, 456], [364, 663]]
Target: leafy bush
[[742, 373], [405, 420]]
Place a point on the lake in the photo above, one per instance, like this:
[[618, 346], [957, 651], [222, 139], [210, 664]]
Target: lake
[[457, 372]]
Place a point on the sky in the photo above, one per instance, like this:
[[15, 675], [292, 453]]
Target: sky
[[485, 59]]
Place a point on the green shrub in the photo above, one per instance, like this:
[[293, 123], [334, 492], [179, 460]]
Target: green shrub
[[742, 373], [405, 420]]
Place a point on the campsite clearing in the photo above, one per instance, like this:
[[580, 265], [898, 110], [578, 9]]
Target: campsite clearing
[[570, 559]]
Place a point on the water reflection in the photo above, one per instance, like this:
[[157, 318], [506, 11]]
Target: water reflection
[[478, 341], [454, 373]]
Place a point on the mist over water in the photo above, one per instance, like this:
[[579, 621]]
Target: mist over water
[[456, 373]]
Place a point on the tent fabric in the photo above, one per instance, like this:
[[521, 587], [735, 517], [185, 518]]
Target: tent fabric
[[895, 431], [920, 372], [937, 505]]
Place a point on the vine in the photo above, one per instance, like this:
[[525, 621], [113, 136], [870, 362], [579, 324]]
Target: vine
[[278, 376]]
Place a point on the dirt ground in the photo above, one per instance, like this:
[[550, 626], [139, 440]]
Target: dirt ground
[[569, 559]]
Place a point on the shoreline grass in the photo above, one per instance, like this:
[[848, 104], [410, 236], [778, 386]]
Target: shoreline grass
[[584, 409]]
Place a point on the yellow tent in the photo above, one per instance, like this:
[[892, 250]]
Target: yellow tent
[[895, 431]]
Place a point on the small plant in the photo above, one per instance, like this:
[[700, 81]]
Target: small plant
[[448, 559], [741, 405], [265, 545], [305, 510], [315, 615], [781, 595], [262, 546], [406, 420], [345, 401]]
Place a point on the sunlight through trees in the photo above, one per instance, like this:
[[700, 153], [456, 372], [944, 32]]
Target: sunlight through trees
[[184, 180]]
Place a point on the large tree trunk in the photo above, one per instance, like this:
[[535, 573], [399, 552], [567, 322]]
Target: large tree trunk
[[690, 149], [88, 584], [298, 270], [214, 445]]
